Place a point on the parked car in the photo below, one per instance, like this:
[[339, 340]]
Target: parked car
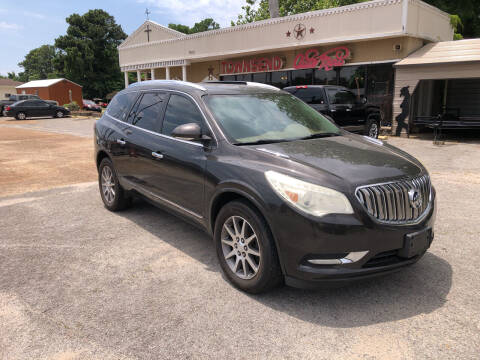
[[348, 110], [90, 105], [100, 102], [34, 108], [286, 194], [13, 98]]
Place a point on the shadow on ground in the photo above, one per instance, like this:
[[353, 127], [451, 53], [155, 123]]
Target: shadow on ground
[[421, 288]]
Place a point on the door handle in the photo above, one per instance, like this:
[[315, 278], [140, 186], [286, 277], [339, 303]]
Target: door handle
[[157, 155], [121, 141]]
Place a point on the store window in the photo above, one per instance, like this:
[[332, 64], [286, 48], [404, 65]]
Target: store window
[[353, 78], [280, 79], [244, 77], [263, 77], [302, 77], [228, 78], [380, 89], [322, 77]]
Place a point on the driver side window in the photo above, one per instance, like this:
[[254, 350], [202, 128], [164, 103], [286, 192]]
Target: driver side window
[[180, 110]]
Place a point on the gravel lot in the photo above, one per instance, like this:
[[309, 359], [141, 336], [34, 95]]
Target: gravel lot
[[79, 282]]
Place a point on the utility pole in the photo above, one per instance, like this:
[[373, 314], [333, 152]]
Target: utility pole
[[273, 8]]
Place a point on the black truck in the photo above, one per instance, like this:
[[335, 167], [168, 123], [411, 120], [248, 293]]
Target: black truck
[[13, 98], [349, 111]]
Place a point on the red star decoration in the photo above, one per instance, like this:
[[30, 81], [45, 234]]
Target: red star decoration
[[288, 33], [312, 30]]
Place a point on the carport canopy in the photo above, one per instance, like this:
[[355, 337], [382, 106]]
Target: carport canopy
[[455, 63]]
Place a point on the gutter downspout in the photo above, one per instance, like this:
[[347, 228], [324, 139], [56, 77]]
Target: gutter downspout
[[404, 16]]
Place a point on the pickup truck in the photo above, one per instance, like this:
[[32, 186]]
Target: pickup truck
[[13, 98], [341, 105]]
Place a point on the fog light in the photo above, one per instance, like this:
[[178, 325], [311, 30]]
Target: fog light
[[350, 258]]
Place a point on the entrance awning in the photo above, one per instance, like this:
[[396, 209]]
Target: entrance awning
[[444, 53]]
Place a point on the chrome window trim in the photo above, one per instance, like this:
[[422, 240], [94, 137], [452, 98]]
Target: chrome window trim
[[163, 135], [419, 219], [148, 193]]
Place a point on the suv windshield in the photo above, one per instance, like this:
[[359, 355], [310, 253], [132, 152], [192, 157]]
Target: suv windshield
[[267, 117]]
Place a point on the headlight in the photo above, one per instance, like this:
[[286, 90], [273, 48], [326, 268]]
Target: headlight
[[310, 198]]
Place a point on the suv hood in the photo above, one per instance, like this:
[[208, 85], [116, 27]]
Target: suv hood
[[352, 158]]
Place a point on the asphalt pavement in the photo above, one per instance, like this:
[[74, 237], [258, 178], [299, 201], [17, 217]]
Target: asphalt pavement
[[79, 282]]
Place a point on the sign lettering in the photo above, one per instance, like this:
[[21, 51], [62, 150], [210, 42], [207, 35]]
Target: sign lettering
[[328, 60], [253, 65]]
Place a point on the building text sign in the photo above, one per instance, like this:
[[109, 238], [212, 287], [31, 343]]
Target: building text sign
[[262, 64], [328, 60]]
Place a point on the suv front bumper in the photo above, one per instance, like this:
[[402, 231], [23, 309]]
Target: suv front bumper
[[362, 247]]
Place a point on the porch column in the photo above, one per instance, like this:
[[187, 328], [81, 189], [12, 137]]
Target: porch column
[[152, 72], [139, 76], [125, 73], [184, 72], [167, 73]]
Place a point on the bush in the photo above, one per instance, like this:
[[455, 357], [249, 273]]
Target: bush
[[73, 106]]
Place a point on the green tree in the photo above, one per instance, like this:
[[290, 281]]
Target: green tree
[[88, 53], [465, 14], [39, 63], [204, 25]]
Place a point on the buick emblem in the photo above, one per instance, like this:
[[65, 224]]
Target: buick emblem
[[415, 198]]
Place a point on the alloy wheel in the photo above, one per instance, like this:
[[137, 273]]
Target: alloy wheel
[[373, 132], [240, 247], [59, 114], [21, 116], [108, 184]]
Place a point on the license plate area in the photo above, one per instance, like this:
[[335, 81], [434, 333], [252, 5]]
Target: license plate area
[[416, 243]]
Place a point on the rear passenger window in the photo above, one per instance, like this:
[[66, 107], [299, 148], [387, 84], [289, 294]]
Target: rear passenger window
[[147, 111], [120, 105], [180, 110], [311, 95]]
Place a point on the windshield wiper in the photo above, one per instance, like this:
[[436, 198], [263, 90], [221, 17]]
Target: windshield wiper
[[263, 141], [319, 135]]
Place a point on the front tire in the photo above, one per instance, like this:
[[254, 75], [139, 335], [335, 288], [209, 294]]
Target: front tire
[[21, 116], [245, 248], [372, 128], [59, 114], [113, 195]]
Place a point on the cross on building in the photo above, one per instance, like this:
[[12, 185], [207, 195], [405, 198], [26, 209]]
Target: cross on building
[[147, 13], [148, 31]]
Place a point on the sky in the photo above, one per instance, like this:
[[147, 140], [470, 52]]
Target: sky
[[27, 24]]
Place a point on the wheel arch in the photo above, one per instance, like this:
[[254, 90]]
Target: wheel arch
[[102, 154], [228, 194]]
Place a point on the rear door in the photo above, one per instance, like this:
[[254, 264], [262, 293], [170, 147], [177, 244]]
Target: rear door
[[37, 108], [142, 168], [116, 130], [345, 108]]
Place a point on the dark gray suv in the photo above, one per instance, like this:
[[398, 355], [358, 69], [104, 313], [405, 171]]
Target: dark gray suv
[[286, 195]]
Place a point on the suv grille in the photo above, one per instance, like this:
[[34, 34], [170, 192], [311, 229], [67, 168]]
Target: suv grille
[[392, 203]]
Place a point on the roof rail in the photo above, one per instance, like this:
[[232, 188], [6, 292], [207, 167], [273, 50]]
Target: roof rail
[[226, 82], [166, 82]]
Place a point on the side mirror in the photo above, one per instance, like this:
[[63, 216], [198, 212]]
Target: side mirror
[[190, 132]]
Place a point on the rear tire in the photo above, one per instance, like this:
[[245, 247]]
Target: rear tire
[[246, 249], [372, 128], [21, 116], [113, 195]]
